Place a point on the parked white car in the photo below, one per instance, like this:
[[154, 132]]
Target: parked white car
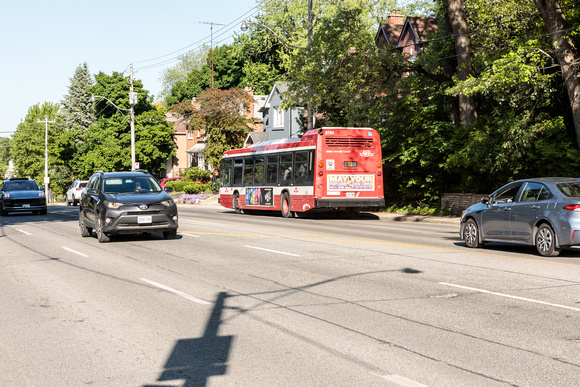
[[73, 195]]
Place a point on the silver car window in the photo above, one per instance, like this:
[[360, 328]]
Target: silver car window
[[507, 195], [534, 192], [571, 189]]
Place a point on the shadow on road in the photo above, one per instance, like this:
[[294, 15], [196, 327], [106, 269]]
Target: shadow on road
[[196, 360]]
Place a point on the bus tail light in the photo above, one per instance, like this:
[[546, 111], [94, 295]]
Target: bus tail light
[[320, 173], [379, 165], [379, 173], [320, 164]]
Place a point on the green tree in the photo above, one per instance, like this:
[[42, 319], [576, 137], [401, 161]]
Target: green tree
[[107, 144], [187, 63], [5, 145], [28, 141], [77, 108], [219, 116]]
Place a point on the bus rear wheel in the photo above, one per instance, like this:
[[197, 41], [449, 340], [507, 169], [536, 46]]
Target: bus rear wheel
[[285, 205], [236, 205]]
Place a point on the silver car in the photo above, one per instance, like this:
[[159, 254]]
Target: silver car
[[73, 195], [544, 212]]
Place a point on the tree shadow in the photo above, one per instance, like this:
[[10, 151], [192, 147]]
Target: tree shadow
[[196, 360]]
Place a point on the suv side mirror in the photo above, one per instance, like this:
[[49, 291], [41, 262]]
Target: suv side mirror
[[168, 188], [91, 191], [485, 200]]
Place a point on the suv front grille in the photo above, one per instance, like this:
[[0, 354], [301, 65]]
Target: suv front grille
[[139, 213]]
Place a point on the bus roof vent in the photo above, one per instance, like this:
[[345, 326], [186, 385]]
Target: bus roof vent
[[349, 142]]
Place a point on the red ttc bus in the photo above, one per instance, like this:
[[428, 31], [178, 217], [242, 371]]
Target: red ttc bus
[[337, 169]]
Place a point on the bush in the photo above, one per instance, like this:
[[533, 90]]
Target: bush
[[197, 174], [178, 186]]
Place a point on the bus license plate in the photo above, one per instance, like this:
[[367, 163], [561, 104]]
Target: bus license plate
[[350, 195], [144, 219]]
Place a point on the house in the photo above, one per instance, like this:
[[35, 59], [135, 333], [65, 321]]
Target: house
[[184, 140], [281, 123], [190, 144], [407, 34]]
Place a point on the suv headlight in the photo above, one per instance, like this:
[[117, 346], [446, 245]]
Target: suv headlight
[[7, 195], [41, 194], [113, 204], [168, 203]]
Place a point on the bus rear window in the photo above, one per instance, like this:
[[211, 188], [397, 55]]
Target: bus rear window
[[348, 142]]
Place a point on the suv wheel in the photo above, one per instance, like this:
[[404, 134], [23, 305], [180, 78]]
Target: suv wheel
[[85, 231], [101, 236]]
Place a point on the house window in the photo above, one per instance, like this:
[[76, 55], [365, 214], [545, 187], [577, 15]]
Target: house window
[[278, 116], [190, 134]]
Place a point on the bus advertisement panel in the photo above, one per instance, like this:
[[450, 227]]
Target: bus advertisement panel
[[329, 169]]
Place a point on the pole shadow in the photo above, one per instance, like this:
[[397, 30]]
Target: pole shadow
[[196, 360]]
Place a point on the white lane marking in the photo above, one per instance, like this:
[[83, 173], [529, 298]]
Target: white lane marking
[[177, 292], [272, 251], [400, 380], [22, 231], [510, 296], [75, 252], [191, 235]]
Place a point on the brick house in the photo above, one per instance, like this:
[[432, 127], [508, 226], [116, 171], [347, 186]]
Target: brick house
[[405, 33], [190, 144]]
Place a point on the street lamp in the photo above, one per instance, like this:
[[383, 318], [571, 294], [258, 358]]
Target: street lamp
[[244, 28], [133, 101]]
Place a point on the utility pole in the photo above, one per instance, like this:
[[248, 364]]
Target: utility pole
[[310, 111], [46, 179], [211, 44], [132, 101]]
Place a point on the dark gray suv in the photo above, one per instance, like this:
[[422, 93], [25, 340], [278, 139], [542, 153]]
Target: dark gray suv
[[126, 203]]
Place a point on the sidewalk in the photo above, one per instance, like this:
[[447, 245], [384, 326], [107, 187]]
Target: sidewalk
[[212, 202]]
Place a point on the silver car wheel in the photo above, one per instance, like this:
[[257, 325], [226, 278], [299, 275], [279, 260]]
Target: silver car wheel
[[546, 241], [471, 234]]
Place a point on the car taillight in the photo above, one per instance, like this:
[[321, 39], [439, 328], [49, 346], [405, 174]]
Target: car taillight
[[573, 207]]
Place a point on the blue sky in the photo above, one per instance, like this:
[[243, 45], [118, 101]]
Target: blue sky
[[42, 43]]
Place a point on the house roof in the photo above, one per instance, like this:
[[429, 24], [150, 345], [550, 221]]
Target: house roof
[[389, 33], [197, 148], [255, 137], [418, 27], [278, 88]]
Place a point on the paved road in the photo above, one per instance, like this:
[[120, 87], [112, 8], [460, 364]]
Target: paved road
[[265, 301]]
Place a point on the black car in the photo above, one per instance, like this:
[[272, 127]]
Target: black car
[[22, 195], [126, 203]]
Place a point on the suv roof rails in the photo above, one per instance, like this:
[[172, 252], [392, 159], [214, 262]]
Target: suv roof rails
[[140, 170]]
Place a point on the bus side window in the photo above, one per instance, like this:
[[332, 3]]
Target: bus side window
[[272, 169], [225, 172], [259, 170], [248, 171], [238, 165], [285, 167], [301, 167]]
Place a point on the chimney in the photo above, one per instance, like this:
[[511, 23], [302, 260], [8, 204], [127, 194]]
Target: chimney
[[250, 92], [395, 18]]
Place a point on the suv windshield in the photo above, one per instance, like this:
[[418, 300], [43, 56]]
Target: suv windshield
[[23, 185], [130, 184]]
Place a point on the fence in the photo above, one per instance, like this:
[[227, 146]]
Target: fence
[[457, 202]]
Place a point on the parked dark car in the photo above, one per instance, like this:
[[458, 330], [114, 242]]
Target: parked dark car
[[22, 195], [166, 180], [126, 203], [544, 212]]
